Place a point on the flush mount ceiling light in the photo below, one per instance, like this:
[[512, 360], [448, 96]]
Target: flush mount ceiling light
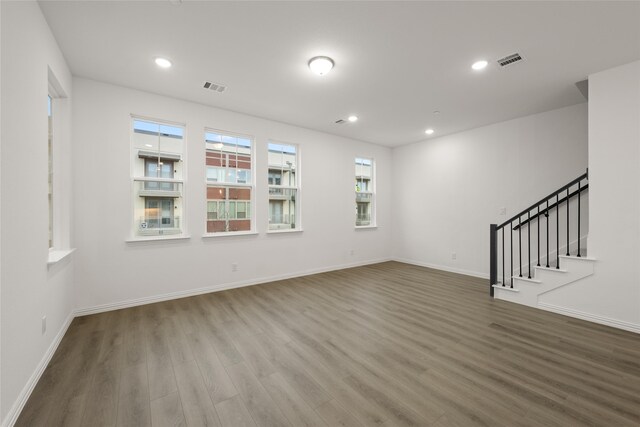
[[163, 62], [352, 119], [321, 65], [429, 131], [480, 65]]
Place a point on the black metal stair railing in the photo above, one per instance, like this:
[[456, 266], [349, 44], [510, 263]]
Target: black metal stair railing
[[544, 208]]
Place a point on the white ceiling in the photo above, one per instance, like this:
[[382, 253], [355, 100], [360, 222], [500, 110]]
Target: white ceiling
[[396, 62]]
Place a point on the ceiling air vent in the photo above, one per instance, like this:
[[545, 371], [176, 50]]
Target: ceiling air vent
[[510, 59], [216, 87], [339, 121]]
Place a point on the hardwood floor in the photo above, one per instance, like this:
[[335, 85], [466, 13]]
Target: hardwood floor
[[387, 344]]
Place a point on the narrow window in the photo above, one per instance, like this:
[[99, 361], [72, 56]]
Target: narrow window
[[365, 207], [158, 170], [50, 171], [229, 172], [58, 172], [284, 191]]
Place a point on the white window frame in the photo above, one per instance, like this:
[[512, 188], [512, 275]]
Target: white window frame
[[297, 187], [135, 179], [371, 191], [60, 206], [250, 185], [50, 168]]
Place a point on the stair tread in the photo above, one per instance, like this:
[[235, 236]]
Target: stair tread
[[506, 288], [551, 268], [526, 279], [584, 258]]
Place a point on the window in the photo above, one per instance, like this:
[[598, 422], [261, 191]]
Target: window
[[284, 175], [275, 178], [365, 208], [50, 149], [58, 171], [229, 163], [158, 170]]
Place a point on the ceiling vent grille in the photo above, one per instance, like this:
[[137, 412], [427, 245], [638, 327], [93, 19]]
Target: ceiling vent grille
[[510, 59], [216, 87], [339, 121]]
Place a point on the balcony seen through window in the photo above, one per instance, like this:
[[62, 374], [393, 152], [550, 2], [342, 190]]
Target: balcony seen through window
[[283, 187], [364, 192], [158, 170], [229, 172]]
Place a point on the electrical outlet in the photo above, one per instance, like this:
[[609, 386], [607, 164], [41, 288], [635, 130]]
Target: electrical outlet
[[44, 324], [503, 211], [454, 255], [234, 267]]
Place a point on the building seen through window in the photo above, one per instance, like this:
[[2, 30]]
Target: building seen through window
[[158, 170], [229, 172], [364, 192], [283, 186]]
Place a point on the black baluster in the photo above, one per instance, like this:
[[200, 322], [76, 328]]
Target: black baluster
[[547, 211], [493, 257], [503, 282], [529, 241], [578, 219], [568, 252], [520, 245], [511, 250], [557, 232], [538, 235]]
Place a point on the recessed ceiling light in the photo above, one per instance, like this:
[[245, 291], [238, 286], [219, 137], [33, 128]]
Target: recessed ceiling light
[[480, 65], [352, 119], [321, 65], [163, 63], [429, 131]]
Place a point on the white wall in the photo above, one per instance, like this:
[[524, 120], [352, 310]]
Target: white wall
[[111, 271], [448, 190], [445, 193], [1, 405], [612, 294], [30, 290]]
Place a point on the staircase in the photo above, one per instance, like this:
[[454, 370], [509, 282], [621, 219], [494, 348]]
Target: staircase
[[534, 252], [526, 291]]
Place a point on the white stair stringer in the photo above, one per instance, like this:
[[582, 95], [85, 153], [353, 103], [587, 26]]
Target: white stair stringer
[[526, 291]]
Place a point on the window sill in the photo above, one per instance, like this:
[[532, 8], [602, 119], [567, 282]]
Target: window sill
[[56, 256], [230, 233], [366, 227], [289, 230], [158, 238]]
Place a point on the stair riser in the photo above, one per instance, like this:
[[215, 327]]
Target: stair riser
[[529, 291]]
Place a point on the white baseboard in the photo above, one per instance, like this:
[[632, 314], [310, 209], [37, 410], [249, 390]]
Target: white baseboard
[[603, 320], [16, 409], [216, 288], [442, 267]]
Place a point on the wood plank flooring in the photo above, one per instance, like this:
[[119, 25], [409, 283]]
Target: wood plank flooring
[[388, 344]]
